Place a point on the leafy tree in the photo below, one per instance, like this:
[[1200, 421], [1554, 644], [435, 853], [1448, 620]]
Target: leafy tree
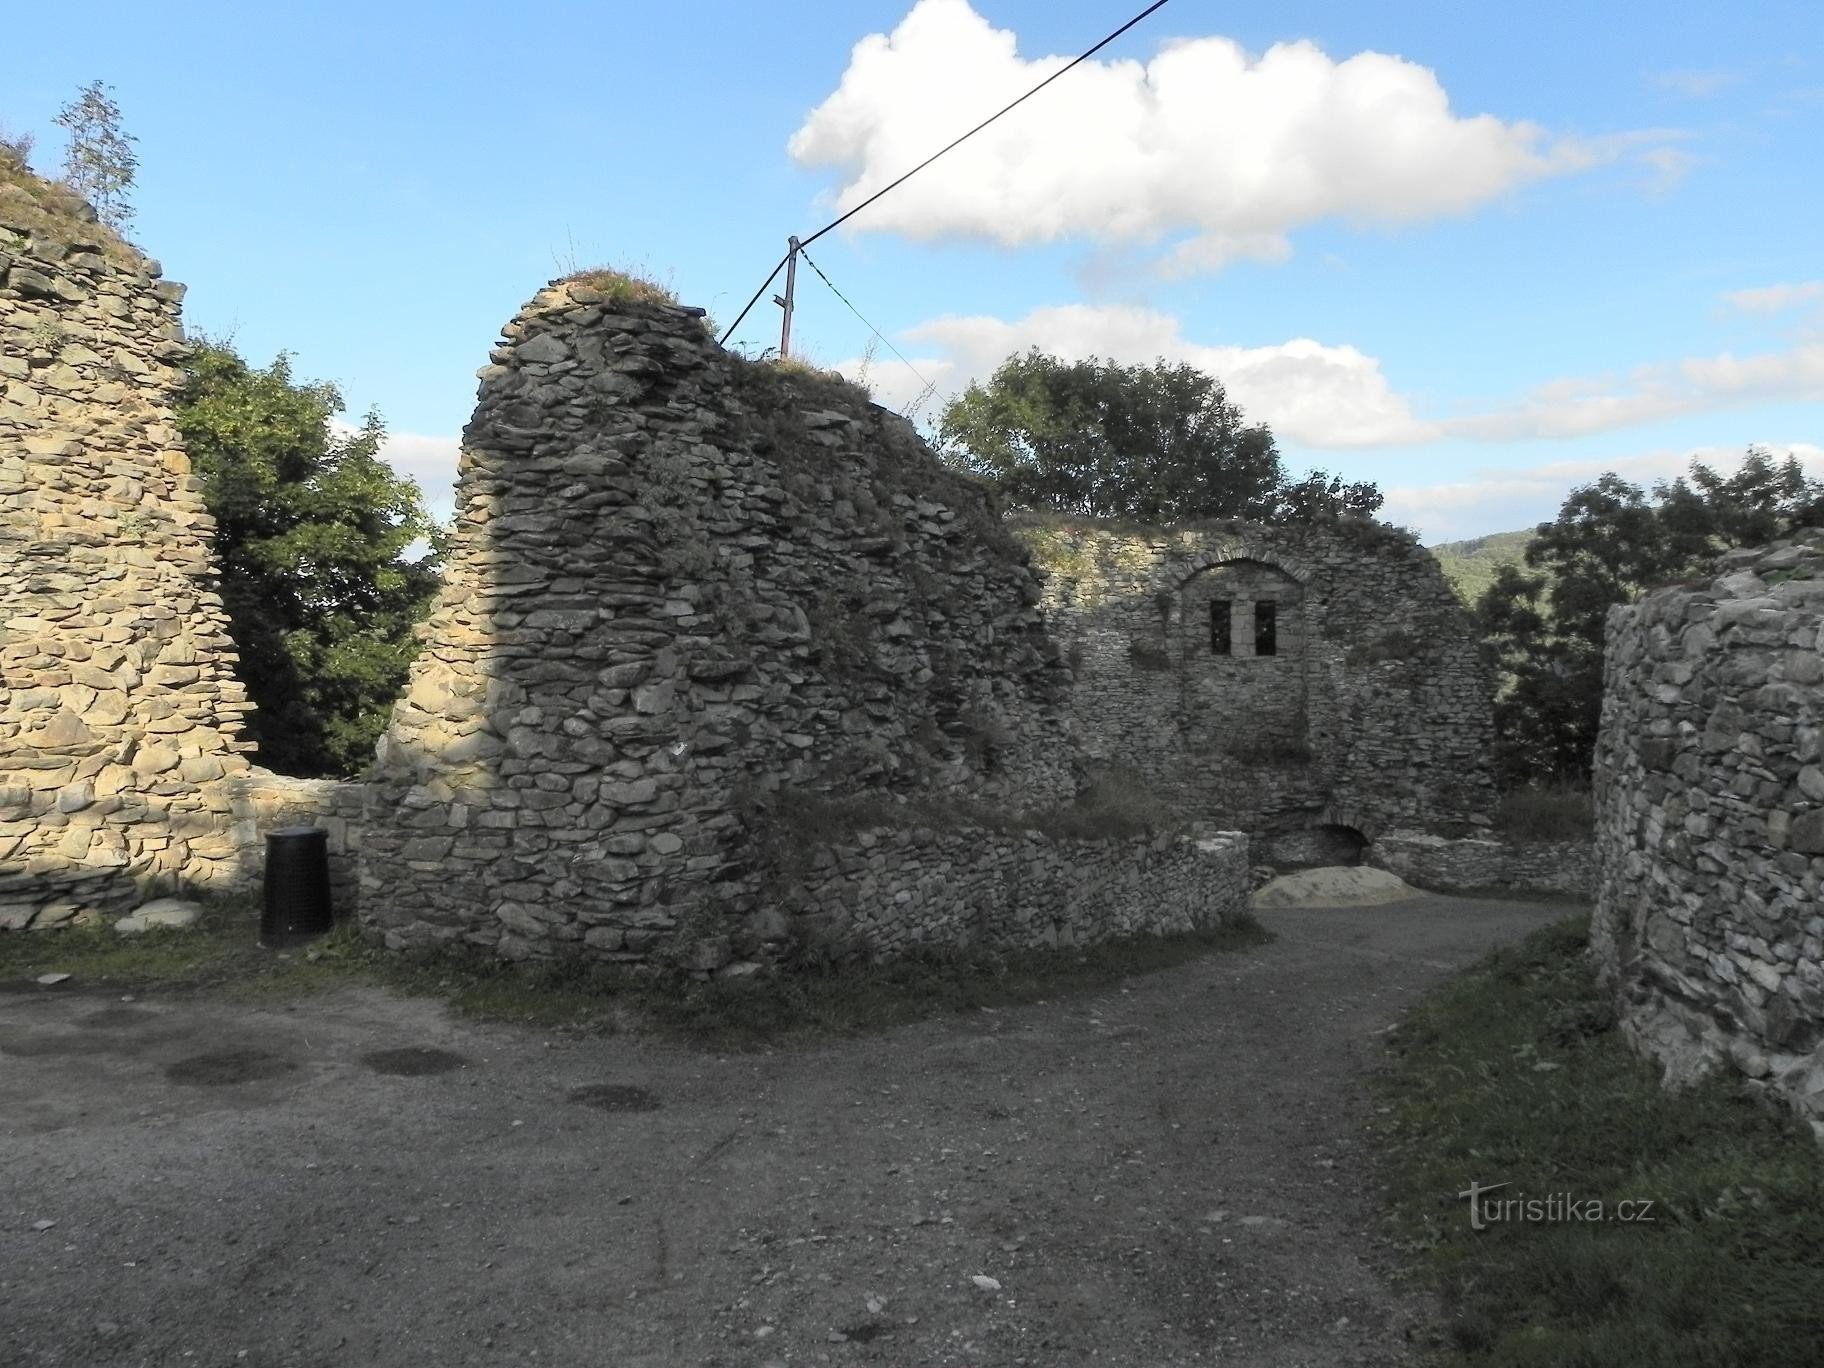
[[1159, 443], [1543, 632], [100, 163], [312, 530]]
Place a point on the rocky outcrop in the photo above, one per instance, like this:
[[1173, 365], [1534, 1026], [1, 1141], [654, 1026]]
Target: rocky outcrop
[[120, 716], [681, 582], [1287, 680], [1710, 821]]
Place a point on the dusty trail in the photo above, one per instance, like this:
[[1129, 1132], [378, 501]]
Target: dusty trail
[[1167, 1173]]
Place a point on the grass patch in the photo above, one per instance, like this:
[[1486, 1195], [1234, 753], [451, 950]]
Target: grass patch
[[1549, 812], [620, 285], [221, 954], [50, 209], [1514, 1072]]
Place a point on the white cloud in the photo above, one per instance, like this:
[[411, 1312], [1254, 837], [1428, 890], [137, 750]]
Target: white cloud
[[1775, 298], [1506, 500], [1305, 390], [1696, 85], [1206, 142], [1577, 407]]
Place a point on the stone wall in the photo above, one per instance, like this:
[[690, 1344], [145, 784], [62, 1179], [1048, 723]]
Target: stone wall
[[1710, 821], [1275, 679], [120, 716], [1558, 868], [263, 802], [680, 582], [886, 891]]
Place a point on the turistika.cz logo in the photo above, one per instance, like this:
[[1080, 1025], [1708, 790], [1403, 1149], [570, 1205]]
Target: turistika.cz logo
[[1516, 1209]]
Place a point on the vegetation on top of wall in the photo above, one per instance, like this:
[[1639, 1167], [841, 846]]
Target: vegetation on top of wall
[[621, 285], [50, 209]]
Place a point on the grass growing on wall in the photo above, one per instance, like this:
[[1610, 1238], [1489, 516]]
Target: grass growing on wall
[[1514, 1072], [619, 284]]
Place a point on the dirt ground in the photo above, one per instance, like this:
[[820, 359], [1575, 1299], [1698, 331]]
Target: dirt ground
[[1169, 1172]]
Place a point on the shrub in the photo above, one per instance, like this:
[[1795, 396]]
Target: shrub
[[1546, 812]]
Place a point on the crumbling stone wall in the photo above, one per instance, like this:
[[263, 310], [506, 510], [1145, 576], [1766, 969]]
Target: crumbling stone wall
[[894, 890], [120, 716], [1274, 679], [1710, 821], [679, 582], [1471, 865]]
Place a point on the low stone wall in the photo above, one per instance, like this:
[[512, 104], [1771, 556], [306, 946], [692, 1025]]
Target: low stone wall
[[1564, 868], [1710, 822], [265, 802], [885, 892]]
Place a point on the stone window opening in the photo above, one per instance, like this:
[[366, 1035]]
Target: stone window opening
[[1221, 626], [1266, 628]]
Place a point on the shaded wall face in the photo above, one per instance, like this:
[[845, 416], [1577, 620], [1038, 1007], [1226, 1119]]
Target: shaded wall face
[[119, 712], [680, 583], [1710, 822], [1243, 661], [1371, 712]]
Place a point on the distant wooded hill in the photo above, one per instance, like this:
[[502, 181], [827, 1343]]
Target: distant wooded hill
[[1471, 566]]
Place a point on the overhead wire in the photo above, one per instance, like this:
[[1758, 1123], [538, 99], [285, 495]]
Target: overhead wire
[[928, 386], [837, 222]]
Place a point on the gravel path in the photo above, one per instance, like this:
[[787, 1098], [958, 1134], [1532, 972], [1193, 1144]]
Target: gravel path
[[1167, 1173]]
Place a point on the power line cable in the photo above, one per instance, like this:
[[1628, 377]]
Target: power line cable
[[870, 327], [838, 222]]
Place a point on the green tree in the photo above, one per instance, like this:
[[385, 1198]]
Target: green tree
[[1543, 631], [1159, 443], [100, 163], [312, 532]]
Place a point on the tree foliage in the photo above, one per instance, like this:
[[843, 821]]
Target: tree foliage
[[100, 163], [1157, 444], [1543, 631], [312, 531]]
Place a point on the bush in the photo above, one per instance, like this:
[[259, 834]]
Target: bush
[[1547, 812]]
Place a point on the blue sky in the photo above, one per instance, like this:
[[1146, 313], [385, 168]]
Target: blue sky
[[1476, 254]]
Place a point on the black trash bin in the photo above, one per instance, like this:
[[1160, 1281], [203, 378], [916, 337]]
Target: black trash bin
[[296, 906]]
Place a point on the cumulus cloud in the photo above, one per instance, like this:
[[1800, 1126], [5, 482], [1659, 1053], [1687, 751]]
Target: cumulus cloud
[[1207, 145], [1767, 299], [1507, 500], [1305, 390]]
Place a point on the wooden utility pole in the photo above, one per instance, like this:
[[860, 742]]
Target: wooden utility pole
[[785, 301]]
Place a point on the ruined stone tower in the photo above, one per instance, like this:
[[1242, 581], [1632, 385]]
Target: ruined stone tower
[[119, 711]]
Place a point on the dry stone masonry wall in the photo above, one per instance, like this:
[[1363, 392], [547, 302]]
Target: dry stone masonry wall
[[1477, 864], [120, 716], [1288, 681], [1710, 822], [900, 889], [680, 583]]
